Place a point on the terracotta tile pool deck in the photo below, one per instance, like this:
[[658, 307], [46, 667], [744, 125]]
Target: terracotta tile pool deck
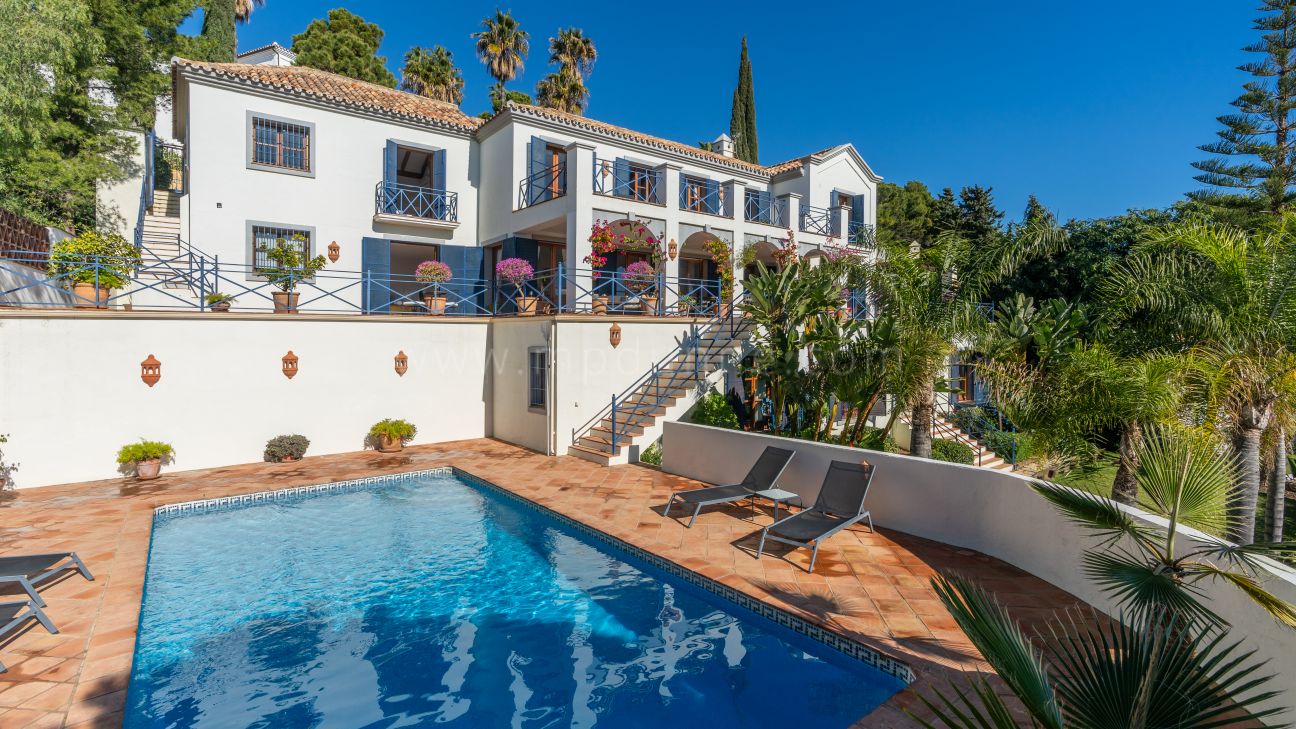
[[872, 587]]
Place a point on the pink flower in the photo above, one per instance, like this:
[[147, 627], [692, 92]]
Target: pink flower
[[433, 272]]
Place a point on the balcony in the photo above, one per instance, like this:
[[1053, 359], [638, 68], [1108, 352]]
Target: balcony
[[628, 180], [414, 205], [761, 207], [861, 235], [700, 195], [819, 221], [543, 185]]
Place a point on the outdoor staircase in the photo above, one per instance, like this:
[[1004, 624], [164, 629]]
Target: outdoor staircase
[[981, 456], [664, 393], [160, 241]]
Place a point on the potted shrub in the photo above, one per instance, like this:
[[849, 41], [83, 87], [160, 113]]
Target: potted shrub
[[640, 277], [291, 266], [6, 469], [92, 263], [435, 273], [390, 436], [216, 301], [286, 448], [684, 305], [517, 271], [144, 459]]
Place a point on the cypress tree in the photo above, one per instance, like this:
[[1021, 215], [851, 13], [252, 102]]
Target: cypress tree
[[742, 116], [219, 37], [979, 219], [1260, 131]]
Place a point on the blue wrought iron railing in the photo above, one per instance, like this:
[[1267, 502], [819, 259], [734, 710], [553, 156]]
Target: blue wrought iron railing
[[393, 198], [818, 220], [629, 180], [543, 185], [146, 186], [701, 196], [861, 235], [760, 207]]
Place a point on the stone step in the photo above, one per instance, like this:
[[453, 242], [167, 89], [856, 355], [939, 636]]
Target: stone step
[[589, 454]]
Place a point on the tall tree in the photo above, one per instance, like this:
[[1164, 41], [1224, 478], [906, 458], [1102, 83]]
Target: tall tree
[[243, 9], [1255, 168], [945, 212], [344, 44], [742, 117], [503, 46], [563, 92], [565, 89], [219, 39], [979, 219], [904, 214], [432, 73]]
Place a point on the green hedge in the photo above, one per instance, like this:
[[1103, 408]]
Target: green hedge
[[873, 440], [714, 410], [652, 454], [952, 451]]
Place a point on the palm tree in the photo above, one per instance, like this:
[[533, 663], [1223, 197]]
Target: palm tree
[[573, 52], [1186, 480], [243, 9], [1228, 297], [1108, 674], [432, 74], [562, 92], [503, 47]]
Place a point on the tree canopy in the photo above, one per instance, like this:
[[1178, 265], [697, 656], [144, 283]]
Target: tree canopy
[[345, 44]]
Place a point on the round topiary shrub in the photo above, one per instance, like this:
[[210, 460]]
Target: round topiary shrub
[[952, 451], [283, 448]]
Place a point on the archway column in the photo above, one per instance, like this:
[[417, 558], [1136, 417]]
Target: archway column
[[580, 218]]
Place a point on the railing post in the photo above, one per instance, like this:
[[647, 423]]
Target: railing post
[[612, 419], [202, 286], [368, 292], [561, 286]]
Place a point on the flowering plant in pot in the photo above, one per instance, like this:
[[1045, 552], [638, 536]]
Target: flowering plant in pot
[[390, 435], [722, 254], [435, 273], [144, 459], [290, 266], [641, 278], [92, 263], [6, 469], [216, 301], [286, 448], [518, 271]]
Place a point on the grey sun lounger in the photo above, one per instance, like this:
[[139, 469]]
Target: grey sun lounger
[[762, 476], [840, 504], [14, 614], [30, 571]]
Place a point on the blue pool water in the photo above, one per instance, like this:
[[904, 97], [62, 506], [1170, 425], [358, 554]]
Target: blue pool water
[[432, 601]]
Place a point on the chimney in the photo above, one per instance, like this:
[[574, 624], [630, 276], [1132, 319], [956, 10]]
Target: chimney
[[723, 145]]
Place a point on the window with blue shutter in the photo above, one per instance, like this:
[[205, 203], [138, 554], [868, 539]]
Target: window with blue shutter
[[440, 203], [712, 197], [375, 261], [621, 177]]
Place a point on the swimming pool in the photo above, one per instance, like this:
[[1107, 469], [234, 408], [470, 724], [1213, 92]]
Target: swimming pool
[[433, 600]]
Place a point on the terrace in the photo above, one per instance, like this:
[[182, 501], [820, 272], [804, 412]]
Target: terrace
[[868, 587]]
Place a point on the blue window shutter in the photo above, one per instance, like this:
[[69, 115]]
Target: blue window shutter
[[621, 176], [857, 209], [375, 261], [712, 197], [537, 163], [439, 202], [389, 162]]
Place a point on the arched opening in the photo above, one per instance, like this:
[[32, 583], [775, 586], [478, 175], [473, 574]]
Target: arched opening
[[699, 275], [764, 255]]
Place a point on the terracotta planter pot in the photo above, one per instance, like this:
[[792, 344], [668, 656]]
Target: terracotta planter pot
[[89, 296], [223, 306], [599, 305], [148, 470], [436, 305], [526, 305], [285, 302], [648, 304], [387, 444], [724, 309], [287, 459]]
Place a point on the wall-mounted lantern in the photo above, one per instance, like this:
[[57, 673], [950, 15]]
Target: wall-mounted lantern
[[334, 251], [673, 248], [614, 335], [290, 365], [150, 370], [402, 363]]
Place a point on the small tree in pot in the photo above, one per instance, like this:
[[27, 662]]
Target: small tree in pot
[[390, 436], [641, 278], [290, 266], [518, 271], [144, 459], [435, 273], [286, 448], [93, 263]]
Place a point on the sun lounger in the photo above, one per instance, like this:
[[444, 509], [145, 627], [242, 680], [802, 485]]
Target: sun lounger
[[840, 504], [30, 571], [761, 477], [14, 614]]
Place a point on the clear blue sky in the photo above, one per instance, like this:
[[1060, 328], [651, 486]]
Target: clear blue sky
[[1094, 106]]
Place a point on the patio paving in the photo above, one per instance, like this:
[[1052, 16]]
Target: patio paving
[[872, 587]]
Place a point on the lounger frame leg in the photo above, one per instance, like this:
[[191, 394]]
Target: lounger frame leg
[[44, 620], [27, 586], [669, 504], [85, 571], [694, 517], [813, 556], [761, 547]]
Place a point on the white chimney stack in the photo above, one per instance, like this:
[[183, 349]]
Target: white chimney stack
[[723, 145]]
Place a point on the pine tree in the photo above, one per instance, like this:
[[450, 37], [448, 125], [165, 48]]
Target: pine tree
[[1260, 133], [219, 40], [945, 213], [904, 214], [345, 44], [742, 116], [979, 219]]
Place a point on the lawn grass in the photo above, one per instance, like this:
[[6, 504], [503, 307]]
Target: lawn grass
[[1096, 478]]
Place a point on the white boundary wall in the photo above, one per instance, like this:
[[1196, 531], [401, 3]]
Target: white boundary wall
[[975, 508], [71, 393]]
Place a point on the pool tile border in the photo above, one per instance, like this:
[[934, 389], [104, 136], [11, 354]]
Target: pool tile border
[[846, 646]]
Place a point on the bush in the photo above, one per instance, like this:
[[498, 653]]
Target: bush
[[286, 446], [973, 421], [952, 451], [1006, 445], [652, 454], [393, 430], [91, 257], [715, 410], [874, 439], [145, 450]]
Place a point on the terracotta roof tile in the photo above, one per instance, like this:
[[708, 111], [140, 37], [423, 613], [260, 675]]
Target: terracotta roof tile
[[331, 87], [792, 164]]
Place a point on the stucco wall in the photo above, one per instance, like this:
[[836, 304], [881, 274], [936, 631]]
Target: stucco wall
[[71, 393], [976, 508], [21, 281]]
